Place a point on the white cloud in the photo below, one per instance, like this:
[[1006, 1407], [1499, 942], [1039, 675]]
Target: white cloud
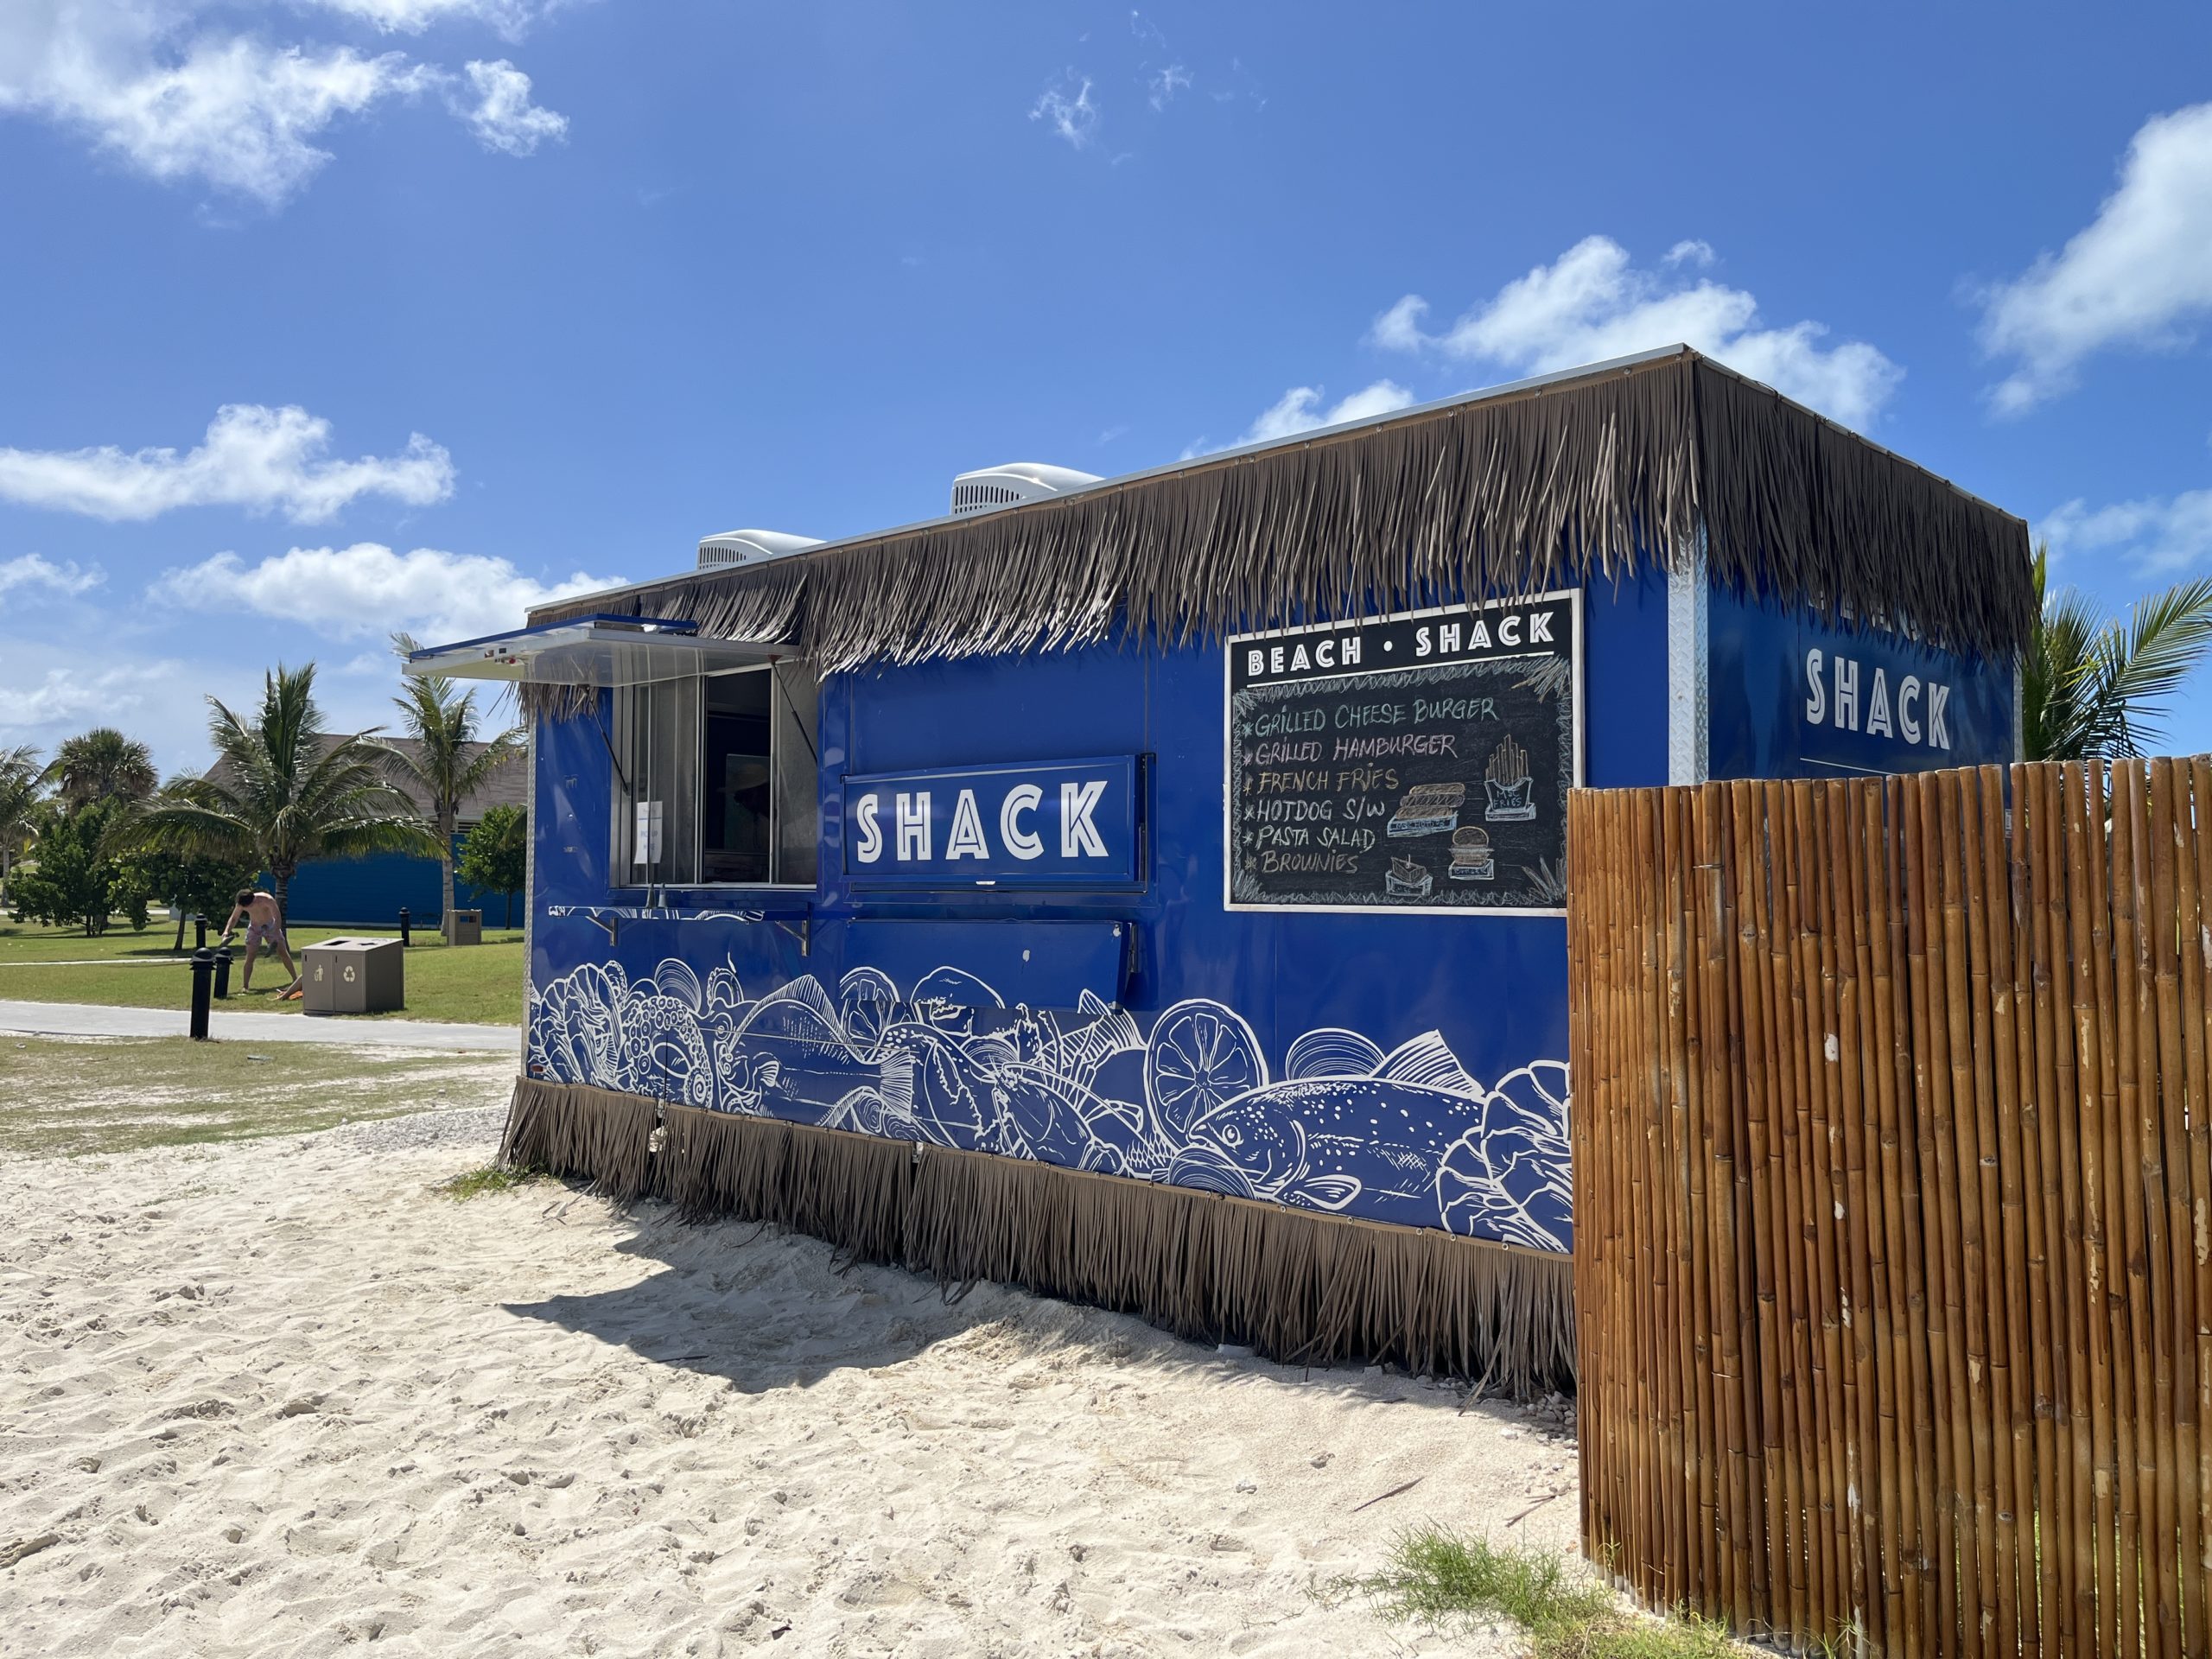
[[63, 697], [51, 688], [1693, 250], [1300, 410], [368, 590], [35, 571], [1398, 329], [154, 83], [509, 17], [503, 117], [238, 114], [2158, 535], [253, 457], [2138, 276], [1076, 118], [1166, 83], [1591, 304]]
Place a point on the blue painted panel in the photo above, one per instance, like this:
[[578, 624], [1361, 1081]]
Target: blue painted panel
[[1056, 964], [1403, 1068], [1624, 681], [369, 891], [1791, 697], [1070, 824]]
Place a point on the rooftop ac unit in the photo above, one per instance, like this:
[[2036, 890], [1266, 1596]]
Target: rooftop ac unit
[[1018, 480], [750, 547]]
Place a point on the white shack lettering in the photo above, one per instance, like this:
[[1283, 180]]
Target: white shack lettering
[[991, 824], [914, 813], [1915, 712], [1023, 843], [967, 838], [1079, 836]]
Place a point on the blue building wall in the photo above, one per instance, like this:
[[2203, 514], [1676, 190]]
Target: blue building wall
[[1403, 1068], [1792, 697], [369, 891]]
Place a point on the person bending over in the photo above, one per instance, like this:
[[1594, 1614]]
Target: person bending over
[[265, 926]]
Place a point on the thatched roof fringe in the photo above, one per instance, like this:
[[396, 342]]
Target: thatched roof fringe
[[545, 700], [1514, 493], [1802, 509]]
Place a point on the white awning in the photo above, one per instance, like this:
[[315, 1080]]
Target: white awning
[[600, 651]]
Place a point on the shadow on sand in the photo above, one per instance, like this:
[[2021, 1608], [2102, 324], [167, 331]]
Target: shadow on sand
[[765, 1309]]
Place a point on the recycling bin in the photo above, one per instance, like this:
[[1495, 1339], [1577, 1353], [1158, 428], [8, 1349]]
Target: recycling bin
[[354, 976], [464, 927]]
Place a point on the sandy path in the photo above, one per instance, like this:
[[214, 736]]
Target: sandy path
[[279, 1398]]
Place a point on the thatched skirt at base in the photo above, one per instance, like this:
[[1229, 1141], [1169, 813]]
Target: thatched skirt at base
[[1298, 1286]]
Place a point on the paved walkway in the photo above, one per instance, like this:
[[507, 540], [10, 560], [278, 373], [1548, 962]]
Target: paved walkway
[[91, 1020]]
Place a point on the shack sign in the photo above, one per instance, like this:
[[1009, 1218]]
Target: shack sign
[[1053, 823], [1416, 762]]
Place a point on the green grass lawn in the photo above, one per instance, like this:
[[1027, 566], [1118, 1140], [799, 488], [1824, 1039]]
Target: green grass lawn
[[480, 984], [82, 1096]]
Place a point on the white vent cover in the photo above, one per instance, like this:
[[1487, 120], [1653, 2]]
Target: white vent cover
[[750, 546], [1018, 480]]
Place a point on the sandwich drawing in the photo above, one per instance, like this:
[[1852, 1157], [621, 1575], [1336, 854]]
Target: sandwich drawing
[[1506, 781], [1470, 855], [1428, 810], [1407, 879]]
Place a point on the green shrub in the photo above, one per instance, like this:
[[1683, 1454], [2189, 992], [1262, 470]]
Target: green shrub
[[1443, 1579]]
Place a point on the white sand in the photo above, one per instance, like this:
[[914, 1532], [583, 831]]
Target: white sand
[[279, 1398]]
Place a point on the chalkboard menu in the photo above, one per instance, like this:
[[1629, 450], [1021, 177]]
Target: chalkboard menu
[[1416, 762]]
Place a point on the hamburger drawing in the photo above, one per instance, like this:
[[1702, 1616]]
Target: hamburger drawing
[[1471, 860]]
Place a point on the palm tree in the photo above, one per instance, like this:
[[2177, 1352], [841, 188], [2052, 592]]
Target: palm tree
[[2093, 687], [100, 765], [19, 792], [282, 792], [448, 763]]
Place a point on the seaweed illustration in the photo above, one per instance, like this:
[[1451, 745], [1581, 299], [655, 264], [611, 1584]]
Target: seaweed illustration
[[1549, 678], [1547, 884]]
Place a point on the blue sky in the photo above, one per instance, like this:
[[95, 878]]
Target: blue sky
[[338, 317]]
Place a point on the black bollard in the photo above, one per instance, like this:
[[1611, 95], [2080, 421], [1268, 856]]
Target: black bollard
[[404, 940], [223, 972], [203, 971], [200, 933]]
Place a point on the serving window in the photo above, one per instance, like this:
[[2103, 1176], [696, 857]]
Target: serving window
[[717, 779]]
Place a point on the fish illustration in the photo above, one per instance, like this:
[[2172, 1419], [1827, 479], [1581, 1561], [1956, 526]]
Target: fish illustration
[[1187, 1096], [1301, 1142], [798, 1026], [747, 1080]]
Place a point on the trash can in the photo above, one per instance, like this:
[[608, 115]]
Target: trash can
[[354, 976], [464, 927]]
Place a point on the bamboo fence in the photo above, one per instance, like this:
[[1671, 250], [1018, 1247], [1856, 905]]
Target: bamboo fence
[[1893, 1231]]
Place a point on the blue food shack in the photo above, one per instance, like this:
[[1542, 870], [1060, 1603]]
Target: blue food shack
[[1151, 892]]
